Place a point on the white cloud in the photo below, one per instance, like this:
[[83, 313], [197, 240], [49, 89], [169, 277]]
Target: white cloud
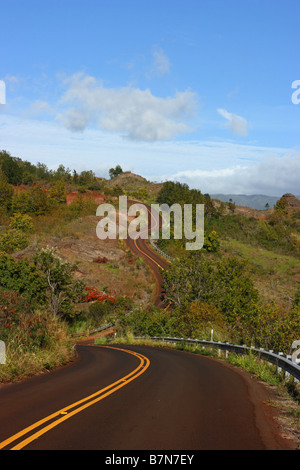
[[272, 176], [237, 124], [161, 63], [213, 167], [137, 113], [39, 107]]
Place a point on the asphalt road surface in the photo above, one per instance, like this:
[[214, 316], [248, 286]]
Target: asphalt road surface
[[140, 246], [138, 398]]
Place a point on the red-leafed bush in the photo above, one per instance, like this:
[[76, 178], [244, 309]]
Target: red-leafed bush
[[21, 327], [94, 294]]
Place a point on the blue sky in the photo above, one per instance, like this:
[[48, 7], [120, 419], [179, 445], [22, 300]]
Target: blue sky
[[197, 91]]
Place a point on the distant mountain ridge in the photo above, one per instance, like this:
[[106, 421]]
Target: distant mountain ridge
[[255, 201]]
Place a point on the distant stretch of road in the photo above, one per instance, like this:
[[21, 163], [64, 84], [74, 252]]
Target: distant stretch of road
[[138, 398], [156, 262]]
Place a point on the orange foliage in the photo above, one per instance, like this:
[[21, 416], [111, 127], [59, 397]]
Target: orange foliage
[[95, 295]]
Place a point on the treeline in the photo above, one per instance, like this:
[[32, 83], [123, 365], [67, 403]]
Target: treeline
[[196, 281], [18, 171], [40, 298], [205, 292], [277, 231], [211, 288], [35, 189], [180, 193]]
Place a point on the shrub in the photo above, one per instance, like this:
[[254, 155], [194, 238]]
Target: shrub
[[57, 193], [211, 242], [146, 323], [62, 291], [20, 326], [197, 318], [224, 283], [48, 281], [21, 222], [23, 277], [94, 294], [31, 201], [271, 326], [35, 340], [13, 240]]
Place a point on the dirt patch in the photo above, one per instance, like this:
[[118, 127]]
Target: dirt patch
[[122, 273], [97, 197]]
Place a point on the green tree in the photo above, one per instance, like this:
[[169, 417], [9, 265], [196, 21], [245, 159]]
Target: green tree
[[23, 277], [46, 281], [281, 206], [62, 290], [27, 178], [114, 172], [34, 200], [11, 167], [271, 326], [42, 171], [235, 289], [6, 192], [75, 177], [195, 319], [225, 283], [58, 193], [88, 180], [62, 173], [231, 205], [179, 193]]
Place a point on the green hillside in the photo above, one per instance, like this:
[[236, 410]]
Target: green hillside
[[57, 278]]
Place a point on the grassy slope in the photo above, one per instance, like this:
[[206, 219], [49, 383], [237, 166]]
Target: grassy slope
[[275, 274]]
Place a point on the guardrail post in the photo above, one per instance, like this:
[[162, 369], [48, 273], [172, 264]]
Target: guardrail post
[[2, 352], [287, 374], [279, 369]]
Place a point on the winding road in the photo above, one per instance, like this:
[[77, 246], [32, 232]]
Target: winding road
[[140, 247], [138, 398], [131, 398]]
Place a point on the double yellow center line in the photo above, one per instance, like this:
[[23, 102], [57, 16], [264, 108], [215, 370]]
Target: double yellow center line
[[138, 235], [65, 413]]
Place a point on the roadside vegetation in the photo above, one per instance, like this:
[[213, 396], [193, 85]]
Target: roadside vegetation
[[248, 273], [57, 279]]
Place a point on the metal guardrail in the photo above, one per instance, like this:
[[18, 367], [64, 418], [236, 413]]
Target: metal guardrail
[[157, 249], [282, 362]]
